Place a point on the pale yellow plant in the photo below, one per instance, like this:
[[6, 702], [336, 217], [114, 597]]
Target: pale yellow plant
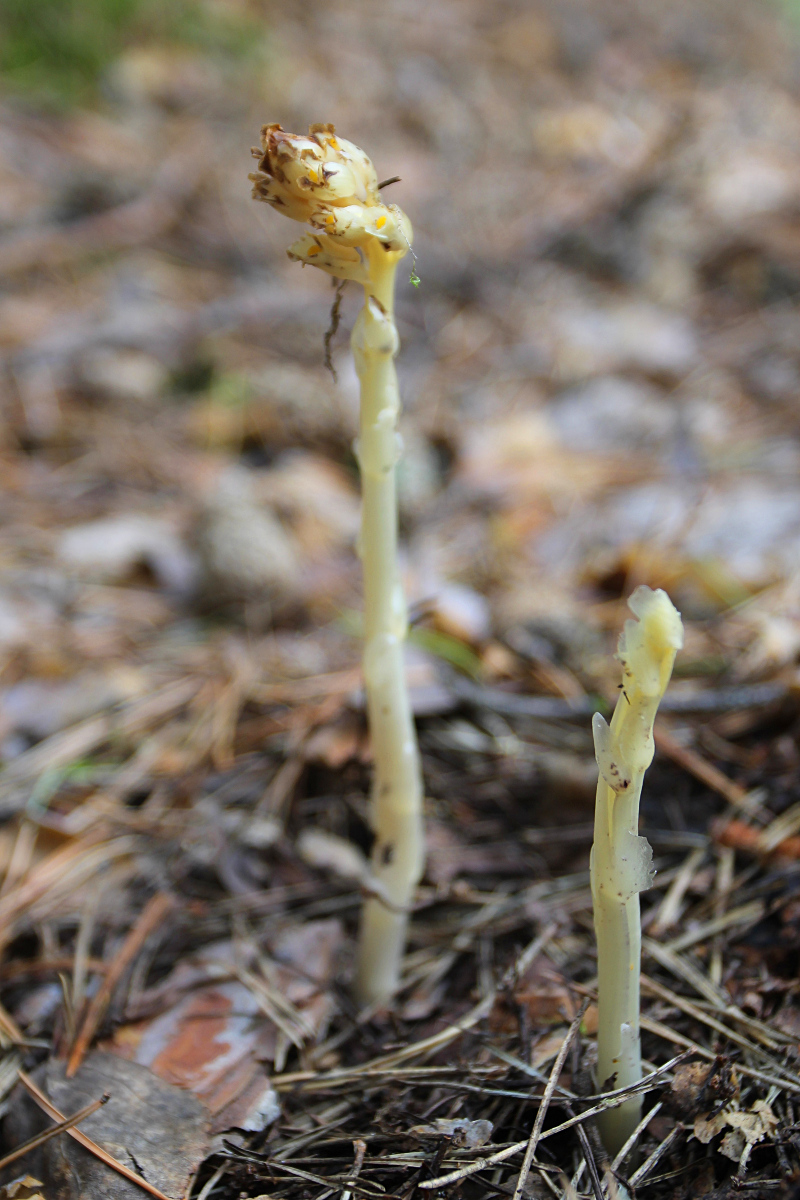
[[330, 185], [622, 861]]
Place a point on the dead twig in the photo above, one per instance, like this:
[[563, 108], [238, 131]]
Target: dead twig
[[683, 756], [61, 749], [721, 700], [360, 1148], [591, 1165], [437, 1040], [647, 1166], [47, 1134], [738, 835], [149, 920], [691, 1010], [626, 1148], [670, 906], [57, 877], [558, 1065], [607, 1100]]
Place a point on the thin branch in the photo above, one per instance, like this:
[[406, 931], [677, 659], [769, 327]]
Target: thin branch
[[552, 1082], [149, 920], [659, 1152], [61, 1127], [608, 1100], [625, 1150], [360, 1148], [591, 1165]]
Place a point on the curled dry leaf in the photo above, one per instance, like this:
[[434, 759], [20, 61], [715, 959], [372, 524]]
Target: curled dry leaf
[[745, 1129], [469, 1134], [699, 1087], [23, 1188], [544, 994]]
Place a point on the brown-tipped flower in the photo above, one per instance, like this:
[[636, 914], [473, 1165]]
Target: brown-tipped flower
[[331, 185]]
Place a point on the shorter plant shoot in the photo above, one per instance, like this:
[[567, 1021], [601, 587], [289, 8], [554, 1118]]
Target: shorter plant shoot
[[622, 861]]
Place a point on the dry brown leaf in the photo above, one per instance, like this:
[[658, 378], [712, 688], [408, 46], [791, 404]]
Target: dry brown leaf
[[220, 1019], [749, 1127], [706, 1128], [210, 1043], [697, 1087], [24, 1188], [466, 1133], [745, 1129], [152, 1139], [545, 996]]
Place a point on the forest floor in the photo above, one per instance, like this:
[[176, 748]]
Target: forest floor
[[600, 371]]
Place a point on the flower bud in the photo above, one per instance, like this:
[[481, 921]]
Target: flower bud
[[316, 250], [331, 185]]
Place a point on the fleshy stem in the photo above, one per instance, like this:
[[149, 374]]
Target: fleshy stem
[[397, 857], [330, 184], [622, 861]]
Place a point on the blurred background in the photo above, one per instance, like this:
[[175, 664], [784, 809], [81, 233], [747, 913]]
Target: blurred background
[[600, 367]]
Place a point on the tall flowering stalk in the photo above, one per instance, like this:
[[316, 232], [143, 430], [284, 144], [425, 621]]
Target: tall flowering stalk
[[331, 186]]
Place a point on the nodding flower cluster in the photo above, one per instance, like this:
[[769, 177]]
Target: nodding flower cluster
[[331, 185]]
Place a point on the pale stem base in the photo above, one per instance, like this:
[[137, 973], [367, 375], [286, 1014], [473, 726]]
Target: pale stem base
[[396, 810], [619, 1058]]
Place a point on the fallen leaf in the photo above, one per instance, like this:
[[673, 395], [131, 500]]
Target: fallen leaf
[[469, 1134], [745, 1129], [706, 1128], [756, 1124], [543, 992], [696, 1087], [23, 1188], [210, 1043], [733, 1144], [212, 1032], [157, 1130], [548, 1046], [336, 743]]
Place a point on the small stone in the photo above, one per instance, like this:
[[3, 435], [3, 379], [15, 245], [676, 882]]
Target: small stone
[[749, 183], [111, 549], [612, 414], [462, 612], [247, 555], [589, 340], [123, 374]]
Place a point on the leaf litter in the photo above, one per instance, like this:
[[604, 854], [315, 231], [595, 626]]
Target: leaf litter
[[600, 372]]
